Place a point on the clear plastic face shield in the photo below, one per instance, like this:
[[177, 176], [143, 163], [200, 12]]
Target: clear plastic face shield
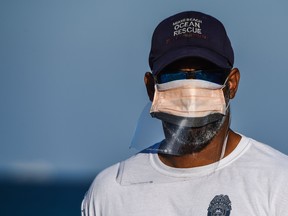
[[187, 115]]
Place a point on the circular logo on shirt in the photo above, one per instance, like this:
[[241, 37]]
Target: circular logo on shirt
[[219, 206]]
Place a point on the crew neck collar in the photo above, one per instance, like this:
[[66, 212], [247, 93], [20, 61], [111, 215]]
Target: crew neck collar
[[158, 165]]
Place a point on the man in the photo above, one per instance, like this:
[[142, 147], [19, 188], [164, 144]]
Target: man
[[201, 167]]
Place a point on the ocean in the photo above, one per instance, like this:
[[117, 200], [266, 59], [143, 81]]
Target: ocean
[[42, 199]]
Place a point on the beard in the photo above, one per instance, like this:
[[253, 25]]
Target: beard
[[181, 140]]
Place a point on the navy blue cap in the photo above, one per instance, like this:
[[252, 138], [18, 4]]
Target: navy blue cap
[[190, 34]]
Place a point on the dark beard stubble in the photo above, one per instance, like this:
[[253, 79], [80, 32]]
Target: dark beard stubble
[[187, 140]]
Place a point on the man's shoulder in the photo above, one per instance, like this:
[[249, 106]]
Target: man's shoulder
[[264, 154], [107, 174], [268, 151], [110, 175]]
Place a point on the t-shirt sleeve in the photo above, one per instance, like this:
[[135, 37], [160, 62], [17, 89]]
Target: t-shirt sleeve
[[88, 205], [96, 200]]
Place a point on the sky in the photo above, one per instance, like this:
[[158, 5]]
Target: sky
[[71, 78]]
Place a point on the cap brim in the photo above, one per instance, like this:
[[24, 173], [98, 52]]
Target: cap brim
[[199, 52]]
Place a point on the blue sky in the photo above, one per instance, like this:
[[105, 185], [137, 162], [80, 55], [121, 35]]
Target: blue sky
[[71, 78]]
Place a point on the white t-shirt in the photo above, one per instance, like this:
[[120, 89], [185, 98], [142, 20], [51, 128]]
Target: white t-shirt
[[252, 180]]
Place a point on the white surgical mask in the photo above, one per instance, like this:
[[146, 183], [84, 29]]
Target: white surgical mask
[[189, 98]]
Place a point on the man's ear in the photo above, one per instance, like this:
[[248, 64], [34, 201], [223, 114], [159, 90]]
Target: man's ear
[[233, 81], [149, 83]]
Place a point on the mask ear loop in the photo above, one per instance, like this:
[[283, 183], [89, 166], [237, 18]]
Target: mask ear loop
[[224, 145], [227, 132], [226, 137]]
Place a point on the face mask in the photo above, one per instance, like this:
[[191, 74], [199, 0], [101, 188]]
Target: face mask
[[189, 103]]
